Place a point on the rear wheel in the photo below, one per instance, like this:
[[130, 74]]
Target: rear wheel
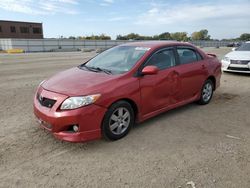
[[206, 92], [118, 120]]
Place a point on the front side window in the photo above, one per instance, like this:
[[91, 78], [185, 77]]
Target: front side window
[[188, 55], [118, 59], [0, 28], [163, 59]]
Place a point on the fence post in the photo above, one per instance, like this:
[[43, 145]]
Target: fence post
[[43, 45], [28, 46]]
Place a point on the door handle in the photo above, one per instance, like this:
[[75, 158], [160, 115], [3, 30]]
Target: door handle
[[203, 66]]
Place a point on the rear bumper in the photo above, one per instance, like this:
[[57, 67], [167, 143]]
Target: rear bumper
[[88, 118]]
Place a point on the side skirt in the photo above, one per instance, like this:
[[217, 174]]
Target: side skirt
[[170, 107]]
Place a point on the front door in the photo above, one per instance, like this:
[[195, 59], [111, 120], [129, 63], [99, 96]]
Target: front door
[[159, 90]]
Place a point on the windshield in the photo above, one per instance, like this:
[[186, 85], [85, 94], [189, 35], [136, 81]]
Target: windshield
[[117, 60], [244, 47]]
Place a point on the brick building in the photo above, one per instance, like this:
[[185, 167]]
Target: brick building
[[25, 30]]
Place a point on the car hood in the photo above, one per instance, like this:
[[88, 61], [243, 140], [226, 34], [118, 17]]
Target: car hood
[[77, 82], [239, 55]]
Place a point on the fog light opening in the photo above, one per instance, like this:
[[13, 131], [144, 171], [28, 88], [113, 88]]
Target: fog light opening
[[75, 128]]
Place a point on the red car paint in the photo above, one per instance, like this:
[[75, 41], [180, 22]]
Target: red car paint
[[150, 95]]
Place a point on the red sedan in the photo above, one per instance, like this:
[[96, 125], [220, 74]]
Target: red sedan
[[126, 84]]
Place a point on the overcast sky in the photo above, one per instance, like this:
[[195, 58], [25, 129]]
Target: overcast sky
[[222, 18]]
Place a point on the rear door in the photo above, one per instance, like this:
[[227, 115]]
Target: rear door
[[192, 70], [157, 91]]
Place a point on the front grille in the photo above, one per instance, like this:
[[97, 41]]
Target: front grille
[[49, 103], [238, 68], [240, 62]]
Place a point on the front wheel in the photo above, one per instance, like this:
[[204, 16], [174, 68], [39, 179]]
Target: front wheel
[[118, 120], [206, 92]]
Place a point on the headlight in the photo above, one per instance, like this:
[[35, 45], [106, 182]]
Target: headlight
[[76, 102], [225, 59]]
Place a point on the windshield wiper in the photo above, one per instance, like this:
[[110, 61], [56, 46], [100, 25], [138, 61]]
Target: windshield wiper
[[102, 70], [87, 67], [97, 69]]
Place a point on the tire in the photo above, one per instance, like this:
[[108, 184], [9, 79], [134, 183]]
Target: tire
[[118, 120], [206, 92]]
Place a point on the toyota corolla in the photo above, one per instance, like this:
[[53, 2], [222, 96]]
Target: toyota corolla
[[124, 85]]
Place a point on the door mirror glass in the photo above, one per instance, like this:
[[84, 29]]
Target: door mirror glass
[[150, 70]]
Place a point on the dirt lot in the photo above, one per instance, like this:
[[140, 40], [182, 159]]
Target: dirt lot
[[207, 145]]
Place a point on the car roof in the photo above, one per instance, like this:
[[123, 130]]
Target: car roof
[[247, 41], [156, 44]]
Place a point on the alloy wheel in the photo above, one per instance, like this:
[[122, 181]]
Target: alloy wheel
[[207, 91], [119, 121]]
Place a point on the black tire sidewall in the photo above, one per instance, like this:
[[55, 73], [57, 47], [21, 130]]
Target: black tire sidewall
[[106, 132]]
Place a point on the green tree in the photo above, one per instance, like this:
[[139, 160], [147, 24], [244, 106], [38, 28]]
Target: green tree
[[72, 37], [104, 37], [205, 35], [80, 37], [245, 37], [120, 37], [179, 36], [196, 35], [164, 36], [133, 36], [130, 36], [200, 35], [96, 37]]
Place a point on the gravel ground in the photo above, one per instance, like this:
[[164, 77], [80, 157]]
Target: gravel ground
[[207, 146]]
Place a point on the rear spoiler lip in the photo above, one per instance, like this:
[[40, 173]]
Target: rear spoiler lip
[[211, 54]]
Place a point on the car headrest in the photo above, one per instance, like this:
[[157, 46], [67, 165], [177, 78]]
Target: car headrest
[[187, 53]]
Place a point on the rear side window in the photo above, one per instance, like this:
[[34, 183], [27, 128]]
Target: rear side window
[[187, 55], [163, 59]]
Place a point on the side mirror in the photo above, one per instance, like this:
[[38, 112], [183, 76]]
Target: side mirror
[[150, 70]]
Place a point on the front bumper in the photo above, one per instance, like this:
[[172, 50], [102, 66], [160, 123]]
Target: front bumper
[[229, 67], [58, 122]]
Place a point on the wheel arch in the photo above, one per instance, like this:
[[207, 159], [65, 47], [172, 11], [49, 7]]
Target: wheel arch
[[131, 102], [213, 79]]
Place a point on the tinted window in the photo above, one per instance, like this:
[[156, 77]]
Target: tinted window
[[199, 57], [0, 29], [188, 55], [163, 59]]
